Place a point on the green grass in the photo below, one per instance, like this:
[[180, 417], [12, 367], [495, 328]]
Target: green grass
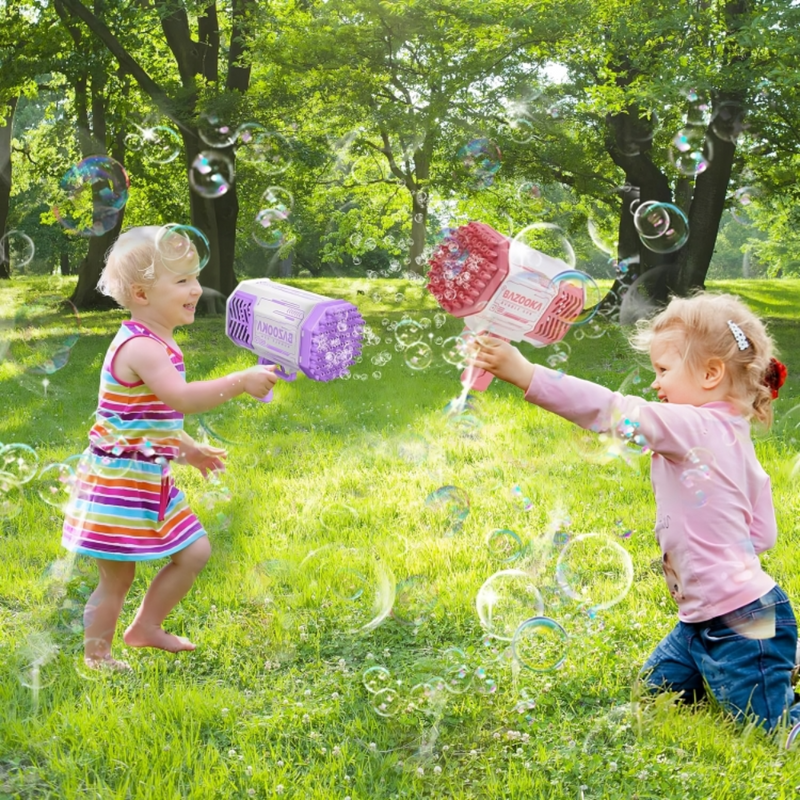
[[272, 702]]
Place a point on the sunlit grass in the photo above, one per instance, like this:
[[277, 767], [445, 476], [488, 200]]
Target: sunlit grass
[[272, 702]]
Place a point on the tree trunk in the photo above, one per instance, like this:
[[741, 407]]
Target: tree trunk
[[63, 263], [419, 210], [705, 213], [5, 182]]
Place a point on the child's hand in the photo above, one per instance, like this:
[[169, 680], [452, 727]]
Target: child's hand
[[204, 457], [503, 360], [258, 381]]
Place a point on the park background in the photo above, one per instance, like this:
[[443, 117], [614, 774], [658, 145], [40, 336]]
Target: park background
[[333, 145]]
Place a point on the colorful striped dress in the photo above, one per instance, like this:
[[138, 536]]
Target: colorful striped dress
[[124, 505]]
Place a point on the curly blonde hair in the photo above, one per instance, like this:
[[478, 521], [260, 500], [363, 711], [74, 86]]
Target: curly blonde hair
[[703, 319], [130, 260]]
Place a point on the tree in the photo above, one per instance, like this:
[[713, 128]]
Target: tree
[[197, 61], [414, 80]]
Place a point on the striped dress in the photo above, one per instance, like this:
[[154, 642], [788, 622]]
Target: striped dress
[[124, 505]]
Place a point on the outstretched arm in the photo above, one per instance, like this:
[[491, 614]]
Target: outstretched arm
[[146, 360]]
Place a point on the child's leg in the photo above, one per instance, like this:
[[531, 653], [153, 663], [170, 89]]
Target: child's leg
[[751, 675], [168, 588], [103, 609], [672, 667]]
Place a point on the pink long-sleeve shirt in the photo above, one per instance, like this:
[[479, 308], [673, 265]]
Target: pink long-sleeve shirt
[[714, 511]]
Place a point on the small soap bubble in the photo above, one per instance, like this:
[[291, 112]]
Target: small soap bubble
[[524, 709], [376, 678], [211, 174], [505, 601], [519, 499], [338, 517], [450, 507], [16, 251], [480, 160], [484, 682], [549, 239], [158, 144], [18, 462], [504, 545], [418, 356], [183, 249], [55, 483], [408, 332], [691, 152], [215, 131], [267, 151], [387, 702], [439, 319], [662, 227], [540, 644]]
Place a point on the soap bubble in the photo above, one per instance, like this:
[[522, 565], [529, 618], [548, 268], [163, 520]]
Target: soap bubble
[[595, 571], [338, 517], [46, 328], [504, 545], [11, 496], [450, 507], [480, 160], [408, 332], [265, 150], [376, 678], [16, 251], [271, 228], [18, 462], [91, 195], [214, 131], [662, 227], [415, 600], [697, 474], [458, 675], [505, 601], [455, 350], [581, 285], [728, 121], [350, 586], [692, 151], [559, 354], [54, 484], [158, 144], [179, 245], [549, 239], [211, 174], [740, 205], [540, 644], [387, 702], [418, 355]]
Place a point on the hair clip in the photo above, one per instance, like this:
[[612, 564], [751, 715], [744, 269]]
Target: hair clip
[[738, 334]]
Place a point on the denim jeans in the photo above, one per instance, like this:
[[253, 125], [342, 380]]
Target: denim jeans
[[745, 659]]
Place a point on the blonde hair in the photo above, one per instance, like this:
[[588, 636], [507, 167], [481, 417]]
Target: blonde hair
[[130, 260], [703, 319]]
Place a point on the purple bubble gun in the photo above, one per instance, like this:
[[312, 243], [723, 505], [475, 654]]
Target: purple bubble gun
[[295, 329]]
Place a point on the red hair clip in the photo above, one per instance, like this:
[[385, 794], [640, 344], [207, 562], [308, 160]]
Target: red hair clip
[[775, 376]]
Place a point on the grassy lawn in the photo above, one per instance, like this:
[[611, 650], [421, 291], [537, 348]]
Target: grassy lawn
[[320, 527]]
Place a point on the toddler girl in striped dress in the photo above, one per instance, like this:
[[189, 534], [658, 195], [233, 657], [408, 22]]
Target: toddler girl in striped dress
[[125, 506]]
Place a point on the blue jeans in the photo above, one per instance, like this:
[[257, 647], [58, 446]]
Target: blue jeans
[[747, 675]]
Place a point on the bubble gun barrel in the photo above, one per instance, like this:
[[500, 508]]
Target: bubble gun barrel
[[504, 288], [295, 329]]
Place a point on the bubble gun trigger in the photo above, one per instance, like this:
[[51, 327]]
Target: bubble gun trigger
[[280, 372]]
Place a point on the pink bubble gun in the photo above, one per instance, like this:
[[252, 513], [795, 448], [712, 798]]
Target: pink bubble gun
[[295, 329], [504, 288]]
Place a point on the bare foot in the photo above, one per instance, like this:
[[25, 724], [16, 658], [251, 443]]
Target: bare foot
[[106, 662], [138, 636]]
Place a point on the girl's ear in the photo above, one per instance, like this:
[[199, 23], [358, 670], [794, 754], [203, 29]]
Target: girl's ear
[[714, 373], [139, 294]]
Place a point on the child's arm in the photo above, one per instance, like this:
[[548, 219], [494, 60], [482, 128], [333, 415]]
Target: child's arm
[[504, 361], [670, 430], [145, 359], [201, 456]]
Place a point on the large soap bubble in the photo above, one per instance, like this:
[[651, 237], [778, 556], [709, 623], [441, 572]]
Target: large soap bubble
[[91, 195], [595, 571]]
